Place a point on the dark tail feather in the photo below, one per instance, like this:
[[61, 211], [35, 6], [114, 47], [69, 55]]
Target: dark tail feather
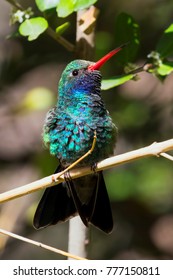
[[95, 210], [86, 196], [77, 201], [102, 214], [56, 205]]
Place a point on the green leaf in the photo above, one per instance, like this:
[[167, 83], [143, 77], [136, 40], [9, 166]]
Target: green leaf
[[165, 44], [60, 29], [165, 68], [44, 5], [115, 81], [33, 27], [82, 4], [127, 30], [65, 8]]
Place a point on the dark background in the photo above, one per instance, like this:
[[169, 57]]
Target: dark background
[[141, 192]]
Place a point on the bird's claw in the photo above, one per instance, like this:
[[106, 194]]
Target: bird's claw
[[94, 167], [67, 176]]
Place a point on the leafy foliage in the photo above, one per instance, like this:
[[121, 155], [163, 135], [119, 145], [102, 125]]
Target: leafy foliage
[[61, 28], [165, 45], [165, 68], [115, 81], [127, 30], [64, 8], [44, 5], [33, 27], [162, 67]]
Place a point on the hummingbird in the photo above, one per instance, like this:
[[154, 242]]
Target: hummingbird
[[68, 133]]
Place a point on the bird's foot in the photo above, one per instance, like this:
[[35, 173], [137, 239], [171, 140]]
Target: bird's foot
[[66, 174], [94, 167]]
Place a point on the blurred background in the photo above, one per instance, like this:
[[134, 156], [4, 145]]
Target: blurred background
[[141, 192]]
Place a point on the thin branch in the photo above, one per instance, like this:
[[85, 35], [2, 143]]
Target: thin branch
[[41, 245], [145, 67], [167, 156], [61, 40], [155, 149], [15, 4]]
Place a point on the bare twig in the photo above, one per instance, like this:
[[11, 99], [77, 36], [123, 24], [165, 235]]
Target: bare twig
[[167, 156], [15, 4], [145, 67], [44, 246], [155, 149], [61, 40]]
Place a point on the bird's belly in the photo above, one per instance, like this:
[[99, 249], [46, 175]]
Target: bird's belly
[[72, 140]]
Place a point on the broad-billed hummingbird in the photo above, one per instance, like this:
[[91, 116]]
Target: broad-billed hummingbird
[[69, 132]]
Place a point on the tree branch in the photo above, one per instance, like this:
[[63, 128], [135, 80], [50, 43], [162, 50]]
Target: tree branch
[[14, 4], [85, 35], [44, 246], [61, 40], [155, 149], [167, 156]]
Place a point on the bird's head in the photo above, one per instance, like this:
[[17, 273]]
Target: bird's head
[[82, 77]]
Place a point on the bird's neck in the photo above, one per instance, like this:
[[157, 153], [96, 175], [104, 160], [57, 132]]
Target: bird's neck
[[81, 104]]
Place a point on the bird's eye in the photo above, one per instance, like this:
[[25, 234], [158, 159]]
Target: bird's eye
[[75, 72]]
